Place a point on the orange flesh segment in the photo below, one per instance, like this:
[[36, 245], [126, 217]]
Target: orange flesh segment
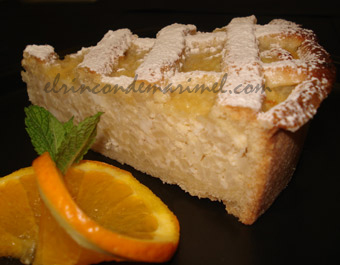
[[18, 220], [55, 246]]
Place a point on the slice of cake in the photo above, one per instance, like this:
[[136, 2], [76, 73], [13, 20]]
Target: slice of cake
[[222, 114]]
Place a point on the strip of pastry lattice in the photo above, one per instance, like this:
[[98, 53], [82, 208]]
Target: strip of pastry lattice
[[242, 63]]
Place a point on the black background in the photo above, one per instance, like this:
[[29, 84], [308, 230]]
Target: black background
[[301, 227]]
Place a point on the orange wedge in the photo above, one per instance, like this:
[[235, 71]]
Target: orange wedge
[[106, 210]]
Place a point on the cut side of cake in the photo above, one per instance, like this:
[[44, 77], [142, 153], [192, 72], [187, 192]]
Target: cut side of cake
[[222, 114]]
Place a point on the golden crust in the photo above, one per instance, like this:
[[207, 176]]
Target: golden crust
[[278, 166], [277, 159]]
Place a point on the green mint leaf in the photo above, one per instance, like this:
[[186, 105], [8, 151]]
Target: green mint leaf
[[58, 133], [45, 131], [65, 142], [68, 125], [77, 142]]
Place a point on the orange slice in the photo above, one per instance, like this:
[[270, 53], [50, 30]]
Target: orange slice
[[20, 211], [108, 211]]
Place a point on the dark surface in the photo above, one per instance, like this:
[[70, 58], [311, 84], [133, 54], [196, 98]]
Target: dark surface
[[301, 227]]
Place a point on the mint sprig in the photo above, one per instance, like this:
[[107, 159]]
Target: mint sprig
[[66, 143]]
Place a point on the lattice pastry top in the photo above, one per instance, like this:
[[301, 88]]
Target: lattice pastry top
[[280, 55]]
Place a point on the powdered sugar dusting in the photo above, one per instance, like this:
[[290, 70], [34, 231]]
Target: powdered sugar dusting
[[276, 26], [81, 52], [43, 52], [144, 43], [163, 60], [277, 52], [298, 108], [211, 40], [313, 65], [104, 56], [284, 73], [116, 82], [243, 65]]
